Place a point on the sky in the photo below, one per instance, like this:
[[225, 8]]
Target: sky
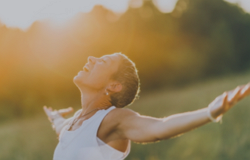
[[23, 13]]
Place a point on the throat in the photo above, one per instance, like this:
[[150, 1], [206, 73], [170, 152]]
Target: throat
[[95, 100]]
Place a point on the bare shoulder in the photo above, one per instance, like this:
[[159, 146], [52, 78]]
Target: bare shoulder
[[120, 114], [109, 131], [117, 116], [113, 120]]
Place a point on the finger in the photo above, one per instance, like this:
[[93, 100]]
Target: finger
[[46, 111], [232, 93], [225, 99], [69, 109], [49, 112], [245, 91], [45, 108], [235, 96], [66, 111], [218, 98]]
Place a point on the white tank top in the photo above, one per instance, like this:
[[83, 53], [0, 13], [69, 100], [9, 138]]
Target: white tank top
[[83, 143]]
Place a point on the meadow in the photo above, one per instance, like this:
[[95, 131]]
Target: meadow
[[33, 138]]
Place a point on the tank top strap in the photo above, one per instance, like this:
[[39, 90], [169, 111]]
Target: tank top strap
[[107, 151], [89, 127], [99, 117], [92, 124]]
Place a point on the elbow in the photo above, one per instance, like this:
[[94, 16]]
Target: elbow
[[167, 135], [161, 136], [161, 132]]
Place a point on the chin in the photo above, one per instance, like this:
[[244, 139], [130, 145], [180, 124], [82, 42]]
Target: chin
[[77, 80]]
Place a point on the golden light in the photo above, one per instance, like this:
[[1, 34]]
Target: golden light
[[22, 14]]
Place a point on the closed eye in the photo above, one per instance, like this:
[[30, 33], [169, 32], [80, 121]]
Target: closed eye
[[103, 60]]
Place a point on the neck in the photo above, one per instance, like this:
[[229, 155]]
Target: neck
[[93, 99]]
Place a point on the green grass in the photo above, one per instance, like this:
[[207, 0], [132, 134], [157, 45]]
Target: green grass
[[33, 138]]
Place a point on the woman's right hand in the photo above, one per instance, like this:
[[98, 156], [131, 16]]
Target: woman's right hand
[[53, 114]]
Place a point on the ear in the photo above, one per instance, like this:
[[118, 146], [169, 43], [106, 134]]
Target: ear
[[114, 86]]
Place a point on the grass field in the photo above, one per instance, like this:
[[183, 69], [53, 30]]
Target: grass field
[[33, 138]]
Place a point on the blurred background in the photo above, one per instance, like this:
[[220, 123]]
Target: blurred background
[[187, 52]]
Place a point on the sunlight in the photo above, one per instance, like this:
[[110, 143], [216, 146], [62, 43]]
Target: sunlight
[[165, 6], [244, 4], [22, 14], [118, 6]]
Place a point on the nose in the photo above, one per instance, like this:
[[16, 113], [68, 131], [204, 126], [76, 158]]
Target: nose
[[91, 59]]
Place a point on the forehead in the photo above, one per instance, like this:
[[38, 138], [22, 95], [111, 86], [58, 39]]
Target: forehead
[[113, 61], [112, 57]]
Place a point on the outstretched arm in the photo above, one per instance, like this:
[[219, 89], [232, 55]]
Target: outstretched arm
[[148, 129]]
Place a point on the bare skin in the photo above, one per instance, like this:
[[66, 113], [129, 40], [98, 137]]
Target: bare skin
[[122, 125]]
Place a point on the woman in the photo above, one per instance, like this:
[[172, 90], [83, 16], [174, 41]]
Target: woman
[[103, 129]]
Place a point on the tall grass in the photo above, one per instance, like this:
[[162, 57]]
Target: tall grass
[[33, 138]]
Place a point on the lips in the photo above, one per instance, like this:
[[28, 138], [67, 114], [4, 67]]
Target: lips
[[86, 68]]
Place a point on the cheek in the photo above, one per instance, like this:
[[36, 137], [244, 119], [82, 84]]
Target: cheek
[[100, 73], [99, 80]]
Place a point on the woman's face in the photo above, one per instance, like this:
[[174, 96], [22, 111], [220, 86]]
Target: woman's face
[[97, 72]]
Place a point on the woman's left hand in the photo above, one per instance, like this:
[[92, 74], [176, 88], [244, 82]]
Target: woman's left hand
[[227, 100]]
